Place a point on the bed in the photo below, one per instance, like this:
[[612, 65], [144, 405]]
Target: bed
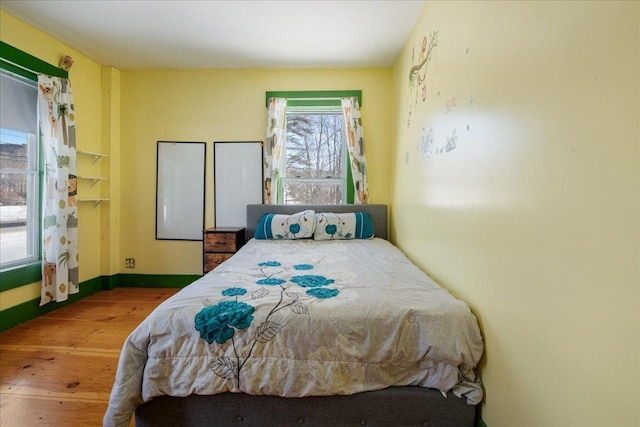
[[292, 330]]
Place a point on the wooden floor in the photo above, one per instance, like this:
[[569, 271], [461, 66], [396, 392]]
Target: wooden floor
[[58, 369]]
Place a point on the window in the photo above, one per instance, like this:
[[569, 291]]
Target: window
[[18, 120], [19, 172], [315, 157], [308, 161]]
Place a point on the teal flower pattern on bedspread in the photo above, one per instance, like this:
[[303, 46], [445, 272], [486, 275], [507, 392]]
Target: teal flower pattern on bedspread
[[221, 322], [311, 281], [218, 322]]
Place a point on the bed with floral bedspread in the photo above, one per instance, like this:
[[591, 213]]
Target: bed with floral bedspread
[[296, 318]]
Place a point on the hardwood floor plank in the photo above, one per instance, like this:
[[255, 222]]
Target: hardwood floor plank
[[133, 294], [96, 335], [104, 311], [58, 370], [21, 411]]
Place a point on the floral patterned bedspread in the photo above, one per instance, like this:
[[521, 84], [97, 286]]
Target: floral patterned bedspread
[[299, 318]]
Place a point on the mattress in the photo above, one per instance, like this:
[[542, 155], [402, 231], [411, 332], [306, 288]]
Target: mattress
[[302, 318]]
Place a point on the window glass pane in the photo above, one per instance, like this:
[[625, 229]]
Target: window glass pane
[[314, 146], [17, 103], [313, 192], [19, 183], [315, 163]]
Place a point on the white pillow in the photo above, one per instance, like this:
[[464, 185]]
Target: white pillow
[[341, 226], [300, 225]]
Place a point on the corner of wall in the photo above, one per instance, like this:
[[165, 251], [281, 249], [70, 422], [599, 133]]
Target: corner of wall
[[110, 145]]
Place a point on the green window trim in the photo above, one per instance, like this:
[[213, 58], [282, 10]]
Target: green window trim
[[28, 66], [25, 65], [314, 98], [20, 276]]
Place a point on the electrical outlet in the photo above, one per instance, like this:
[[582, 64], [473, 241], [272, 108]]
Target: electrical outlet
[[130, 263]]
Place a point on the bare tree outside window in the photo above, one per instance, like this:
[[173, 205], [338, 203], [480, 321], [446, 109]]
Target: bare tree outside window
[[315, 159]]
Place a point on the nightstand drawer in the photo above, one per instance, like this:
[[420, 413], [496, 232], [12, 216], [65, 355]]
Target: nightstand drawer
[[211, 261], [223, 241]]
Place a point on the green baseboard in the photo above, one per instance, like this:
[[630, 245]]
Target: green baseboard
[[156, 280], [29, 310], [480, 423]]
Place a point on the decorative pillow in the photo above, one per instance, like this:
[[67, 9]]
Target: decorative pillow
[[341, 226], [278, 226]]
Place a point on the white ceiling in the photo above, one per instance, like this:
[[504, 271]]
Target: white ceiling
[[227, 34]]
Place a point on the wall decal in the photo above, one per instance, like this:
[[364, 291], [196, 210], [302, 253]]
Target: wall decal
[[426, 146], [452, 141], [450, 104], [418, 72]]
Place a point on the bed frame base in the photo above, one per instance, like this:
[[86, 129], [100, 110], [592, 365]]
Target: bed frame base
[[394, 406]]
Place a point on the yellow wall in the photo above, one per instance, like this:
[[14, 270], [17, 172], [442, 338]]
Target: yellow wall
[[219, 105], [123, 113], [85, 76], [534, 217]]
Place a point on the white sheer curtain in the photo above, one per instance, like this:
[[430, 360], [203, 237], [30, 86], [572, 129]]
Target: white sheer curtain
[[355, 145], [59, 201], [273, 152]]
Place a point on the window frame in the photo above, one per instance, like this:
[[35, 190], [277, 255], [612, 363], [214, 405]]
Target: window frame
[[318, 110], [25, 65]]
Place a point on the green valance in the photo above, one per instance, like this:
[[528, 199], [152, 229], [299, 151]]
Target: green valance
[[25, 65], [314, 98]]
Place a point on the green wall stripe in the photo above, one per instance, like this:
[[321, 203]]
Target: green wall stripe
[[314, 97], [26, 65]]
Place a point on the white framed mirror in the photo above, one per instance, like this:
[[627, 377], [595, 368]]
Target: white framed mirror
[[180, 190], [237, 180]]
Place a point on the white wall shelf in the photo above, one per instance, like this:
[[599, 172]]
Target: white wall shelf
[[94, 179], [95, 156], [95, 202]]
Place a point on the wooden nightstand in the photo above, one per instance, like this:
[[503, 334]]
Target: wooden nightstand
[[220, 244]]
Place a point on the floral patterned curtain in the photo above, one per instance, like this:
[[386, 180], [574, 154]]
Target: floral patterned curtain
[[59, 202], [355, 144], [276, 132]]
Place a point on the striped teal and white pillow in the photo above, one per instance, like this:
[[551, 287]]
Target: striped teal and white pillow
[[341, 226], [278, 226]]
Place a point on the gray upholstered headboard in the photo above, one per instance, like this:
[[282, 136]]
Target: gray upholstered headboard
[[378, 214]]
